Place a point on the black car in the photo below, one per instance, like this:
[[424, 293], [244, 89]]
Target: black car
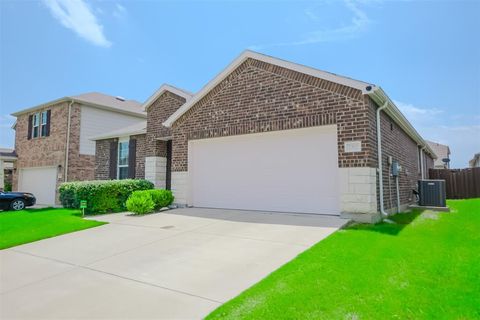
[[16, 200]]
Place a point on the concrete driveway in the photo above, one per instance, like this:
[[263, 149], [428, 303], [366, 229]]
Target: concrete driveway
[[181, 263]]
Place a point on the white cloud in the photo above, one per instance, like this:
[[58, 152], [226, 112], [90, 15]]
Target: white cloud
[[119, 11], [411, 111], [359, 23], [461, 132], [77, 16]]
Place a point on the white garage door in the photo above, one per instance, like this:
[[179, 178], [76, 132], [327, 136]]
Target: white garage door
[[288, 171], [41, 182]]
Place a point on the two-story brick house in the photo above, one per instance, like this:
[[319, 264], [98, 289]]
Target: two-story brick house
[[53, 140], [271, 135]]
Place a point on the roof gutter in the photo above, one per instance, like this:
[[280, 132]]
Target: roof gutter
[[380, 98]]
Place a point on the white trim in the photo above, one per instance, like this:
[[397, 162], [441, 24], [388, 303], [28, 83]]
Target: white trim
[[35, 124], [165, 138], [380, 98], [113, 135], [42, 125], [163, 88], [360, 85]]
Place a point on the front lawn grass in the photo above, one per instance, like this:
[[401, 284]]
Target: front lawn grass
[[425, 266], [19, 227]]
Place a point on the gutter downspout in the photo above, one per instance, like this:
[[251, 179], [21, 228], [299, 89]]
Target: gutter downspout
[[67, 147], [422, 161], [379, 153]]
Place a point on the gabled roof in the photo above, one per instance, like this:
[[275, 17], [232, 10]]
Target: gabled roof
[[134, 129], [164, 88], [375, 92], [97, 100], [360, 85]]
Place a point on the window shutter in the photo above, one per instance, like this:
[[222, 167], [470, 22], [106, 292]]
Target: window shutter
[[132, 158], [30, 123], [47, 133], [113, 159]]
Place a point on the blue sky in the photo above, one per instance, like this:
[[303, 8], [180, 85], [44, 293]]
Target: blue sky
[[425, 54]]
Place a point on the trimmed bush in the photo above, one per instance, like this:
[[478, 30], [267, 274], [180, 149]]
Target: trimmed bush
[[102, 196], [161, 198], [140, 202]]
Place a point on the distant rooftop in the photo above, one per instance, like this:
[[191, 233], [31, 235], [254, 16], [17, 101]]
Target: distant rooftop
[[99, 100], [441, 150], [7, 153], [106, 100]]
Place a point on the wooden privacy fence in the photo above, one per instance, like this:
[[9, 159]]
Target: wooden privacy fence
[[460, 183]]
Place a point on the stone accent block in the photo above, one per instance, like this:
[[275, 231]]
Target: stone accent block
[[156, 171], [180, 187], [358, 190]]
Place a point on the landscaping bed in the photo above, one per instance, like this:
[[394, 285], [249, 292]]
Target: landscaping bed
[[19, 227], [426, 265]]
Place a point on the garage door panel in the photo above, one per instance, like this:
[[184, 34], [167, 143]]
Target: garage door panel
[[291, 170], [41, 182]]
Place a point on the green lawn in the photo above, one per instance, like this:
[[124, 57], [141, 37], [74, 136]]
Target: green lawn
[[425, 266], [18, 227]]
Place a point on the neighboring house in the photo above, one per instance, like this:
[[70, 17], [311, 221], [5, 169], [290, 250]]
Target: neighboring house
[[149, 143], [475, 162], [7, 159], [271, 135], [443, 155], [52, 140]]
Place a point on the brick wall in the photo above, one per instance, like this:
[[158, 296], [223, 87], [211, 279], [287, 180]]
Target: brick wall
[[157, 113], [140, 155], [50, 151], [102, 157], [42, 151], [397, 144], [259, 97], [402, 148]]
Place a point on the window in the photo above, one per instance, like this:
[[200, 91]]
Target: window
[[36, 123], [122, 172], [39, 124], [43, 124]]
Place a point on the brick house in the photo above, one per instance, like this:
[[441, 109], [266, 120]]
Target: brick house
[[52, 140], [271, 135], [149, 142], [443, 155]]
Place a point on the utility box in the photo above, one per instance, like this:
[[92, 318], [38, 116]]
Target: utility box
[[432, 193], [396, 168]]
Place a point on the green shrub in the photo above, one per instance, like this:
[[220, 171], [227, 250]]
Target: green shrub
[[101, 196], [161, 198], [7, 187], [140, 202]]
